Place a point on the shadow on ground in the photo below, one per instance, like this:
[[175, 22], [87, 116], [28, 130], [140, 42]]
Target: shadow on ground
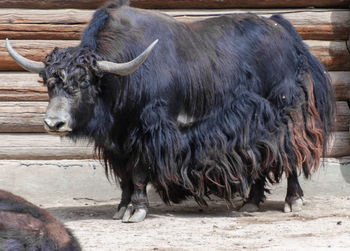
[[184, 210]]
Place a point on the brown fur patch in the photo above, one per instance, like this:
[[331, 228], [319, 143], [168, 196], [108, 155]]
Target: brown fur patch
[[306, 132], [314, 125], [46, 224]]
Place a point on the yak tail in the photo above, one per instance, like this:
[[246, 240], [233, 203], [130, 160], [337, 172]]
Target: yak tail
[[322, 91]]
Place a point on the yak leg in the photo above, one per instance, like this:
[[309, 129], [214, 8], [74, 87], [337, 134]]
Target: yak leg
[[127, 188], [256, 196], [294, 201], [137, 209]]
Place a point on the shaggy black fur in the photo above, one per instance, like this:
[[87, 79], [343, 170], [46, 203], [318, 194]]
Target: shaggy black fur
[[260, 104], [24, 226]]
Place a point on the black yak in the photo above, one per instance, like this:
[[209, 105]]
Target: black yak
[[24, 226], [217, 107]]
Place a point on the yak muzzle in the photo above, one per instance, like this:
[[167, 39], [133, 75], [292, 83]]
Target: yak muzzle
[[57, 118], [57, 126]]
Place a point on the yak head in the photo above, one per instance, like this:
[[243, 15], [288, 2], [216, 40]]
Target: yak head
[[72, 76]]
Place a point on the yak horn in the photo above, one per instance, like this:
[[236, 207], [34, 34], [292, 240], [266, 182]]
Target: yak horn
[[127, 68], [29, 65]]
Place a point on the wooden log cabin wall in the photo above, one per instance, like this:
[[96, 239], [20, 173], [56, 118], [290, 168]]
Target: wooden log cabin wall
[[37, 26]]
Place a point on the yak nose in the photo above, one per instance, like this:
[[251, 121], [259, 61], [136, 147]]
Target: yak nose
[[56, 124]]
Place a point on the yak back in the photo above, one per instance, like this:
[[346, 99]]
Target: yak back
[[195, 66]]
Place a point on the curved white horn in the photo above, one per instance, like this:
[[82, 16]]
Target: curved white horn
[[29, 65], [127, 68]]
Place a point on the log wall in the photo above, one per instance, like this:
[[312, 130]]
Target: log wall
[[35, 27], [176, 4], [333, 54], [325, 24]]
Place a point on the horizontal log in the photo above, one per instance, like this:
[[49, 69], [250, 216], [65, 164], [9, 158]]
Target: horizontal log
[[52, 4], [342, 116], [21, 86], [28, 116], [37, 146], [215, 4], [41, 31], [68, 24], [22, 116], [175, 4], [340, 145], [333, 54], [32, 49], [43, 24], [42, 146], [310, 24], [341, 84]]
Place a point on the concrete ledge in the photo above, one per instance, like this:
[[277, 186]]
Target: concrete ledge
[[68, 182], [331, 179], [47, 182]]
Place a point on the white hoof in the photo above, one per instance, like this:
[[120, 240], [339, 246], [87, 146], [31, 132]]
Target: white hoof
[[138, 216], [133, 215]]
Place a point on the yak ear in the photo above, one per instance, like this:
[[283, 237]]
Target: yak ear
[[29, 65], [127, 68]]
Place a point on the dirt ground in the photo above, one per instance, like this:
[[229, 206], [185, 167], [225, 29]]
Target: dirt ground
[[86, 203], [324, 223]]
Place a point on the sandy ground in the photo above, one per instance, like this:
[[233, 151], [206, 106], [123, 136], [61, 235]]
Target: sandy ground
[[78, 194], [324, 223]]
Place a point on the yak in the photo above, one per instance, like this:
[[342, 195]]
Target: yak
[[222, 106], [24, 226]]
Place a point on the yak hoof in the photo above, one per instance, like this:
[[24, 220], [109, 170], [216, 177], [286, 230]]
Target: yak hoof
[[249, 207], [138, 216], [294, 206], [119, 214], [133, 215]]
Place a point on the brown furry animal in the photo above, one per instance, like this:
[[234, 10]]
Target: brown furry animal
[[24, 226]]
